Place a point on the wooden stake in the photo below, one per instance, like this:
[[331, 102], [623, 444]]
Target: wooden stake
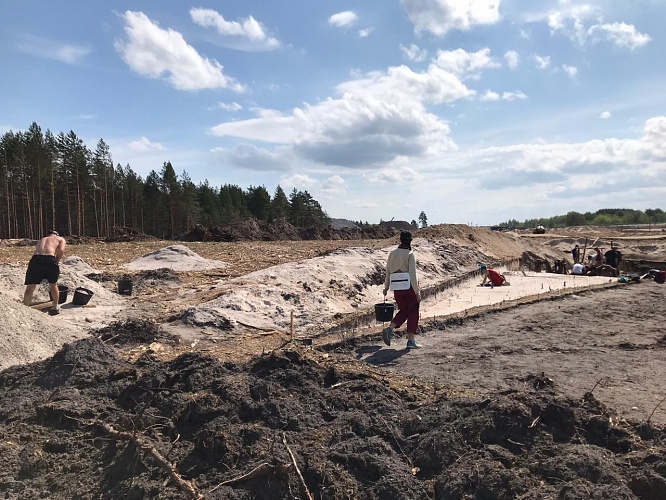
[[582, 257], [292, 325]]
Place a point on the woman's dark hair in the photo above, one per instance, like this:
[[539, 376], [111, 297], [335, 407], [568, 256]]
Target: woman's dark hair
[[406, 239]]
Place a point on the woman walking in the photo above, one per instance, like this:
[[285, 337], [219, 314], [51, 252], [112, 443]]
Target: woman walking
[[401, 278]]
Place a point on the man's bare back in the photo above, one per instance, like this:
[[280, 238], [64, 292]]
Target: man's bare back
[[53, 244]]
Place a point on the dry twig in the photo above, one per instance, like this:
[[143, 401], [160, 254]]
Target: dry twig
[[655, 408], [298, 471], [262, 469], [142, 444]]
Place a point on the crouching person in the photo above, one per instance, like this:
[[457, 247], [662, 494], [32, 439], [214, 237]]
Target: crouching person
[[492, 277]]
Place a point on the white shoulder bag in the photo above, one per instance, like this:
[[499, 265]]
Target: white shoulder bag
[[399, 281]]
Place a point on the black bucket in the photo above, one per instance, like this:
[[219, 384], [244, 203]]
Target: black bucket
[[81, 296], [62, 297], [125, 287], [384, 311]]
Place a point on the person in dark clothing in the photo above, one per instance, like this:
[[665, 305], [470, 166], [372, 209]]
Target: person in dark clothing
[[575, 253], [613, 257]]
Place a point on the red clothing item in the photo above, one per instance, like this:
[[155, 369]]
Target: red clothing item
[[408, 309], [495, 278]]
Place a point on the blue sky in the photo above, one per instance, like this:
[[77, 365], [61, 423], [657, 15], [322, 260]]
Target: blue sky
[[471, 111]]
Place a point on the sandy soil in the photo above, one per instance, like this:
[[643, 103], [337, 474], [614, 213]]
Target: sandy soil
[[194, 387]]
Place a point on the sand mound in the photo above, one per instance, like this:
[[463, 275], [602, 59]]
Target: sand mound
[[339, 283], [79, 265], [28, 334], [175, 257]]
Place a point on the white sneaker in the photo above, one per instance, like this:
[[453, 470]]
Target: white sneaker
[[413, 344]]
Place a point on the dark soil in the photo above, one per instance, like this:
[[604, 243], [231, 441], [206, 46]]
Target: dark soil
[[88, 424], [133, 332]]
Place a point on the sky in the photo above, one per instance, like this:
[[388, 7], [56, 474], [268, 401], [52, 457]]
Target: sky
[[474, 112]]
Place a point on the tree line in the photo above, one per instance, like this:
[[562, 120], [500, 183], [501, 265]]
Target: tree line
[[55, 182], [603, 217]]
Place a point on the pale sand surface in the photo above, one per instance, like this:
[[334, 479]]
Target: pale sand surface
[[310, 292], [468, 294]]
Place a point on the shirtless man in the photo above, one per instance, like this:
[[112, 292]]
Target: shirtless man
[[44, 265]]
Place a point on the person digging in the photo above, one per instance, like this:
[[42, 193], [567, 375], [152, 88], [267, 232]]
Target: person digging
[[43, 265]]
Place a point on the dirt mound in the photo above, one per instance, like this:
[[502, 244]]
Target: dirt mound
[[281, 230], [292, 423], [245, 230]]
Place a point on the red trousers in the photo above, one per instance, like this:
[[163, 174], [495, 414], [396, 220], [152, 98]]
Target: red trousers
[[408, 309]]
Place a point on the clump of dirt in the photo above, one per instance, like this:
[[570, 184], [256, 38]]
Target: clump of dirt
[[101, 277], [295, 422], [134, 332], [155, 277]]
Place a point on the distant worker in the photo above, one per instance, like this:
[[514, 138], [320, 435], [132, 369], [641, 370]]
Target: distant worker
[[43, 265], [492, 277], [613, 257], [575, 253], [598, 259], [401, 278], [578, 269]]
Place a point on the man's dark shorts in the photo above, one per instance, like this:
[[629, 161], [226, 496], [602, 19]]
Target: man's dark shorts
[[42, 267]]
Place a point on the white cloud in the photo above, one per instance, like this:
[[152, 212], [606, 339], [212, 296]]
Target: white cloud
[[249, 30], [571, 19], [572, 170], [572, 71], [154, 52], [441, 16], [514, 96], [542, 62], [247, 156], [51, 49], [605, 115], [414, 53], [621, 34], [376, 118], [333, 186], [143, 144], [266, 112], [342, 19], [298, 181], [233, 106], [654, 141], [365, 33], [465, 64], [395, 175], [489, 95], [512, 59]]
